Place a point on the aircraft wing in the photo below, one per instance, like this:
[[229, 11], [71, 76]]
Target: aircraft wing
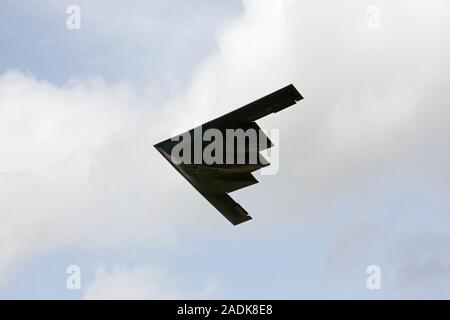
[[215, 182], [272, 103]]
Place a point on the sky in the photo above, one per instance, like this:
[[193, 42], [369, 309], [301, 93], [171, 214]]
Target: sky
[[364, 172]]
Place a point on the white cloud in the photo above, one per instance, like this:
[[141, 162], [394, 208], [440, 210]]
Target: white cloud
[[77, 165], [144, 282], [375, 118]]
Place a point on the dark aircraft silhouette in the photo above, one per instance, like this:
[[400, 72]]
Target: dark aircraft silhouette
[[215, 181]]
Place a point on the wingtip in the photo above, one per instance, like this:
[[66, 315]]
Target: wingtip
[[297, 95], [247, 218]]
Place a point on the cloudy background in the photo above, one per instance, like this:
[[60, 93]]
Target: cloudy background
[[364, 173]]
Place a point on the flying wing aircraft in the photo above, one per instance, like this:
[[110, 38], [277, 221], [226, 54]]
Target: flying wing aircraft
[[215, 181]]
